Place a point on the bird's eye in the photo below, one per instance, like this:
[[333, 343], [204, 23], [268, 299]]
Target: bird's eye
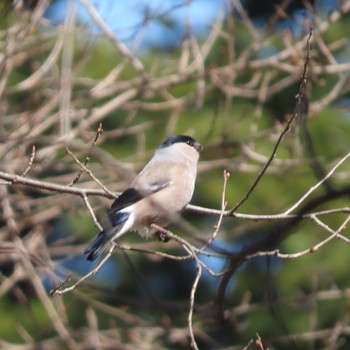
[[189, 143]]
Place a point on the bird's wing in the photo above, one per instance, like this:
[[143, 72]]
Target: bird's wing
[[128, 197], [133, 195], [154, 177]]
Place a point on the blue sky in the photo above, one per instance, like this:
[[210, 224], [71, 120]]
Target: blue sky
[[162, 23], [165, 28]]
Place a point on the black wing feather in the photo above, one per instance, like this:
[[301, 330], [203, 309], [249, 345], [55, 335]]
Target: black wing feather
[[132, 195], [128, 197]]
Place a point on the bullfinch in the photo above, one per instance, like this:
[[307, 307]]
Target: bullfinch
[[158, 194]]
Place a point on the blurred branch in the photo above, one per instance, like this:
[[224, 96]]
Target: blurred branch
[[234, 75], [119, 45]]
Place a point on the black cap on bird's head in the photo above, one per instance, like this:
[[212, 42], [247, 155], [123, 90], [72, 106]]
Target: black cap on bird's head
[[181, 139]]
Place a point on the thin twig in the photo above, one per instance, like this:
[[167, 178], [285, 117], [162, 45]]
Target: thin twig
[[92, 214], [189, 248], [221, 216], [315, 187], [31, 160], [300, 99], [52, 187], [89, 172], [59, 291], [88, 157]]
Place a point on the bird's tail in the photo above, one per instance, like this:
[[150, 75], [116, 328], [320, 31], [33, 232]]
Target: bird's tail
[[96, 247], [105, 237]]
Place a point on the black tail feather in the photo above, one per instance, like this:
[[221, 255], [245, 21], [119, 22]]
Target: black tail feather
[[106, 236], [97, 246]]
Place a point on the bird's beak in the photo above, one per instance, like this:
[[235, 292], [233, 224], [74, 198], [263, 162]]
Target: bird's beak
[[198, 146]]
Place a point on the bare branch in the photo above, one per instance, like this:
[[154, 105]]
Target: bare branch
[[61, 289]]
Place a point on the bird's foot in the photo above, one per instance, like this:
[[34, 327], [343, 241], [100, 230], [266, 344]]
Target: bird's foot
[[162, 236]]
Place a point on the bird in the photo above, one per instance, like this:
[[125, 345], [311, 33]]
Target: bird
[[158, 194]]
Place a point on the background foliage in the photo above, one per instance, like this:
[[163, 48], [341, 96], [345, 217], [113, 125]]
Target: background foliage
[[284, 267]]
